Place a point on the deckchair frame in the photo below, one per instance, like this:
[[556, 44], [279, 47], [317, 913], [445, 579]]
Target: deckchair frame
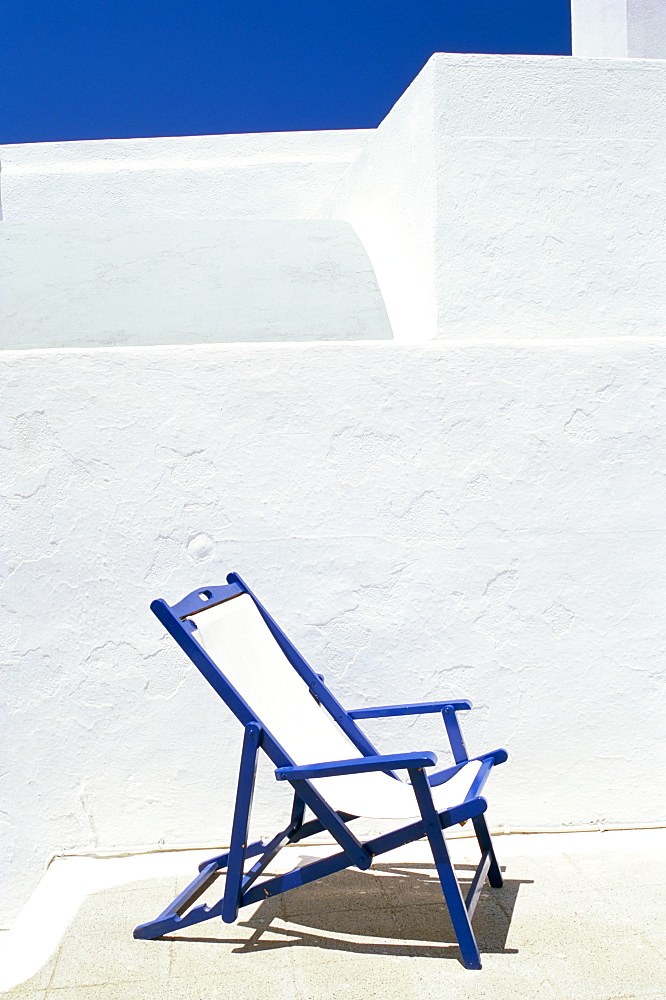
[[239, 887]]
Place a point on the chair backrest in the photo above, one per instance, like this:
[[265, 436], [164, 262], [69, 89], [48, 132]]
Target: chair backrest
[[261, 676], [237, 639]]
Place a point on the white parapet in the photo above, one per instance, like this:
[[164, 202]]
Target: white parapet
[[619, 29], [273, 175], [503, 196]]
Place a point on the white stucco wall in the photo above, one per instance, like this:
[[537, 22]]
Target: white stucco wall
[[547, 177], [267, 176], [89, 283], [619, 28], [551, 238], [549, 207], [517, 196], [481, 520]]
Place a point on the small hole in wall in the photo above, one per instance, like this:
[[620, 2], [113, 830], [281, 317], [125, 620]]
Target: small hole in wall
[[205, 595]]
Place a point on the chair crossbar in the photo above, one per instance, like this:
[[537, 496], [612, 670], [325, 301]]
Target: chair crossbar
[[222, 860], [273, 848], [176, 922], [486, 845], [189, 895], [315, 826], [474, 891]]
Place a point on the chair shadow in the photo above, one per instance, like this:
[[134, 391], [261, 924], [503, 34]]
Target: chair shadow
[[401, 912]]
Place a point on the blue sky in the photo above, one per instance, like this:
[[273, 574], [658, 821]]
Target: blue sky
[[79, 69]]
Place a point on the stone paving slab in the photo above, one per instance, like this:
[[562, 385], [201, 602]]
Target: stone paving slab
[[570, 924]]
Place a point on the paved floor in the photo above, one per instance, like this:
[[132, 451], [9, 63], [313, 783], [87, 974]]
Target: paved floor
[[581, 917]]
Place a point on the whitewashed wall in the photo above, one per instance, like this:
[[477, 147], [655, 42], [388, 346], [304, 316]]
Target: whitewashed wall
[[517, 196], [425, 521], [479, 516]]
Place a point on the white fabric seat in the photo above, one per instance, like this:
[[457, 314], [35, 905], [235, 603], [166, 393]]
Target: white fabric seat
[[238, 640]]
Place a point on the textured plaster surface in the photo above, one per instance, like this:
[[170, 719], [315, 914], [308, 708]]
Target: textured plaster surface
[[454, 520], [579, 916], [267, 176], [619, 28], [517, 196], [573, 245], [503, 196], [86, 283], [548, 97]]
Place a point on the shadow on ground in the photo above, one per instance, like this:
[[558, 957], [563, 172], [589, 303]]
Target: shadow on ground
[[394, 910]]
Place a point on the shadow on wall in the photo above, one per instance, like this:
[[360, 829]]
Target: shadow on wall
[[95, 284], [400, 913]]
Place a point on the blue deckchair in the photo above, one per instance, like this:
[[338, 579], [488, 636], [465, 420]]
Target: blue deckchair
[[315, 745]]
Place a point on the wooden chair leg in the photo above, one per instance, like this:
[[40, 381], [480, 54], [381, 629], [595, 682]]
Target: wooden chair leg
[[241, 823], [447, 877]]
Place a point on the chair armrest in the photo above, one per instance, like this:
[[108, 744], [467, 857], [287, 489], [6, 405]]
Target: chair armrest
[[418, 708], [494, 756], [384, 762], [447, 708]]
